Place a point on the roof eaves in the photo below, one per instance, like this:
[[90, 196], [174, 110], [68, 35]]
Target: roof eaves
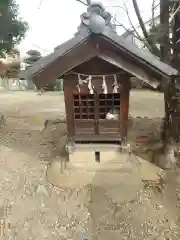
[[146, 57], [60, 51]]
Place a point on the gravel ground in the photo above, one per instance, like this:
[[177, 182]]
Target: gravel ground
[[30, 208]]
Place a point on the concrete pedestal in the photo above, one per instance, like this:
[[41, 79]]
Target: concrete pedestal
[[114, 171]]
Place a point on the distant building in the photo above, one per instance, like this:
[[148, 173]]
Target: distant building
[[130, 34]]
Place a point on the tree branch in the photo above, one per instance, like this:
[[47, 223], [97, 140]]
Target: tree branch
[[132, 25], [147, 42], [135, 33], [153, 47], [174, 13], [153, 12], [118, 24], [40, 4], [88, 2], [127, 30], [84, 3]]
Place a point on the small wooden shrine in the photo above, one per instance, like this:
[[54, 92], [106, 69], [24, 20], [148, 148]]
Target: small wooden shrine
[[96, 65]]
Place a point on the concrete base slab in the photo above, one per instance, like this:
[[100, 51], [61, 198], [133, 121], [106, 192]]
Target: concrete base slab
[[87, 153], [120, 174], [116, 172]]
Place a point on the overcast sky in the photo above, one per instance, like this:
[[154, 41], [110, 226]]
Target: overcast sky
[[55, 21]]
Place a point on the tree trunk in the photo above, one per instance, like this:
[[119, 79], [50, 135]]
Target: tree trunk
[[176, 40], [164, 20], [152, 46]]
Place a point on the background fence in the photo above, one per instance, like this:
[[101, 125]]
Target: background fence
[[15, 84]]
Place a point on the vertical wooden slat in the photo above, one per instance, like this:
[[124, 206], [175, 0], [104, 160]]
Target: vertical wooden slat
[[80, 101], [96, 107], [124, 108]]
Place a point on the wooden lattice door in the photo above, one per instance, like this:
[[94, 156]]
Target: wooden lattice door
[[85, 120], [90, 114], [109, 103]]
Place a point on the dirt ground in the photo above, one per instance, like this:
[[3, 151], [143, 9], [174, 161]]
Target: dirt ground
[[31, 208]]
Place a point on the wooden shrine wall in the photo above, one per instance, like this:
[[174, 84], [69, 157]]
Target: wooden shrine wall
[[107, 128]]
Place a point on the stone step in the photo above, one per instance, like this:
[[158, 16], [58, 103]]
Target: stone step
[[106, 155]]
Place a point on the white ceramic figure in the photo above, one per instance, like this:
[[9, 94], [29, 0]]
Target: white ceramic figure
[[110, 116], [113, 114]]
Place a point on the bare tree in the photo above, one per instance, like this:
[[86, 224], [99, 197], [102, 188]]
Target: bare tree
[[86, 3], [145, 39], [135, 31], [165, 17], [164, 21], [175, 23], [150, 43]]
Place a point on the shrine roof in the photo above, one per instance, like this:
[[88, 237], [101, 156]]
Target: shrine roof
[[98, 22]]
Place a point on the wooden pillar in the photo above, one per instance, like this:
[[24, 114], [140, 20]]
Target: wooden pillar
[[171, 103], [68, 99], [124, 108]]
